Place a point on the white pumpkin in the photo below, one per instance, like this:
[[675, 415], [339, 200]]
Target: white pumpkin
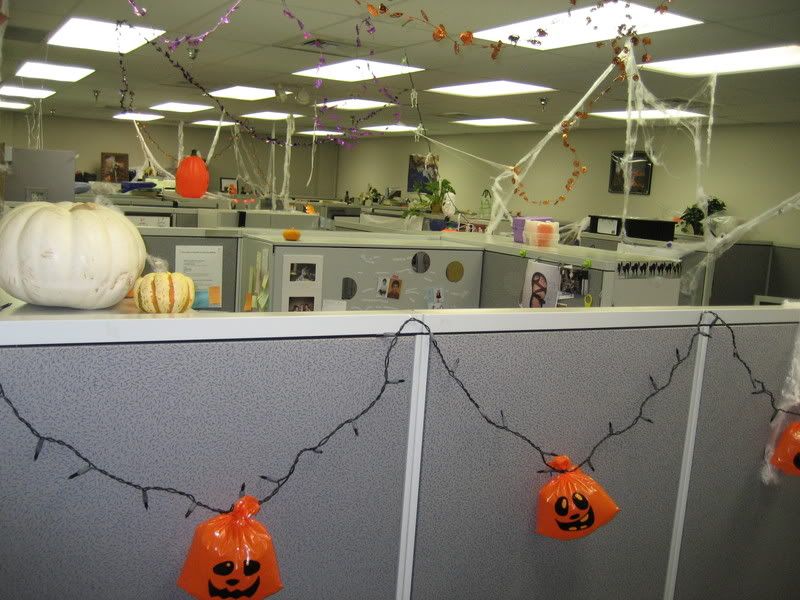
[[78, 255]]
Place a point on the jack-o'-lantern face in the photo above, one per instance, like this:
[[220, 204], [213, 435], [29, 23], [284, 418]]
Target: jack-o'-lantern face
[[786, 456], [572, 504], [234, 580], [232, 556], [577, 511]]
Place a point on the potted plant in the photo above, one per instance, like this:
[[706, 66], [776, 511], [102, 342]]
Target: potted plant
[[694, 216], [430, 196]]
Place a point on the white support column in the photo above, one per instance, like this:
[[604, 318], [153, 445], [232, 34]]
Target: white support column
[[416, 424]]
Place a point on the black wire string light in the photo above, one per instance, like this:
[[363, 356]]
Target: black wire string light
[[89, 465]]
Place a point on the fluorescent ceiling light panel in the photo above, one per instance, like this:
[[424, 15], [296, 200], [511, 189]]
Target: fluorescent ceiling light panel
[[134, 116], [485, 89], [243, 92], [746, 61], [565, 29], [180, 107], [40, 70], [212, 123], [398, 128], [494, 122], [321, 132], [354, 104], [268, 115], [103, 36], [14, 105], [357, 70], [651, 113], [21, 92]]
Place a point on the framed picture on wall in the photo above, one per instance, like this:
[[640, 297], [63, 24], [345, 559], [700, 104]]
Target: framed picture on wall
[[113, 167], [225, 184], [641, 173], [422, 169]]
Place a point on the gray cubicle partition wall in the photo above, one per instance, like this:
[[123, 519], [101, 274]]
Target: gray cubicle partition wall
[[503, 275], [784, 275], [366, 265], [163, 246], [741, 273], [477, 508], [222, 413], [741, 538]]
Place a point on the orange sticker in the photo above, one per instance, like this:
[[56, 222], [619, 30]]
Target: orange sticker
[[215, 295]]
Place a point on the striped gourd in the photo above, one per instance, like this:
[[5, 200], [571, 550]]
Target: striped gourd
[[164, 293]]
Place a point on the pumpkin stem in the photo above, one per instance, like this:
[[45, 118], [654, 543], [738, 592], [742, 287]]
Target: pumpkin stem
[[194, 152]]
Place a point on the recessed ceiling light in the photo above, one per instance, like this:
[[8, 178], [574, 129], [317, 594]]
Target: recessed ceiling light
[[746, 61], [134, 116], [180, 107], [397, 128], [269, 115], [39, 70], [212, 123], [485, 89], [321, 132], [21, 92], [494, 122], [650, 113], [357, 70], [354, 104], [243, 92], [14, 105], [585, 25], [103, 36]]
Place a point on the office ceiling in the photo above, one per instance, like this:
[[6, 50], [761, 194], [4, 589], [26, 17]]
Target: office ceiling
[[262, 47]]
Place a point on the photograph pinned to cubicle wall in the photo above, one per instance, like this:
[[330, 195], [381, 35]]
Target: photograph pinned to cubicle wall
[[383, 286], [303, 272], [641, 173], [574, 282], [395, 288], [422, 169], [435, 298], [540, 285], [114, 167], [301, 303]]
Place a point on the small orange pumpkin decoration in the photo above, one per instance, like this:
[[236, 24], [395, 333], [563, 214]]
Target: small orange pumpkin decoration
[[291, 235], [191, 178], [786, 456], [232, 556], [572, 504]]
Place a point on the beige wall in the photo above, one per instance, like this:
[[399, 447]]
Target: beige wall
[[752, 168], [91, 137]]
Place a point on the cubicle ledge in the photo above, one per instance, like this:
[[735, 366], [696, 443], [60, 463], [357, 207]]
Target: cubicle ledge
[[26, 325]]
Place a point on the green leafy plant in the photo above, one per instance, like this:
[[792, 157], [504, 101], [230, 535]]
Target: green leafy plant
[[694, 216], [430, 196]]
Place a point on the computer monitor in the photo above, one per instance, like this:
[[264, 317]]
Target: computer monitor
[[40, 175]]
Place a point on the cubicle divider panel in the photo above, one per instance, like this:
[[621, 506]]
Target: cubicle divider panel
[[479, 485], [741, 273], [503, 276], [784, 274], [740, 538], [202, 417], [165, 247], [372, 270]]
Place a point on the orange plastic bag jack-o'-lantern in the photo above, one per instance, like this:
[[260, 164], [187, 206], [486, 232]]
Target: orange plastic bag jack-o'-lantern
[[572, 504], [232, 557], [786, 456]]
